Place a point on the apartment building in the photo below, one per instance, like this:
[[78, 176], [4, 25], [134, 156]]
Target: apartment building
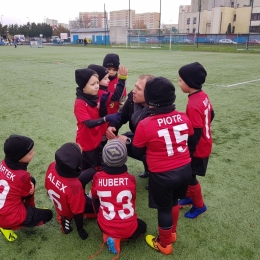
[[216, 16], [122, 18], [93, 19], [52, 22], [150, 20]]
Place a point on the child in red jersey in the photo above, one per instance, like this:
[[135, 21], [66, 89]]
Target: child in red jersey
[[163, 137], [201, 114], [111, 62], [107, 98], [17, 188], [65, 184], [114, 195], [89, 122]]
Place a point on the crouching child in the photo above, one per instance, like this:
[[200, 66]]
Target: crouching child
[[114, 197], [64, 185]]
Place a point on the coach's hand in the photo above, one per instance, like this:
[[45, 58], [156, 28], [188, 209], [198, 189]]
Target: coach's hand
[[122, 138], [110, 132]]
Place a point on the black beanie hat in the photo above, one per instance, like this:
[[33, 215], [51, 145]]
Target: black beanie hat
[[101, 71], [82, 76], [193, 75], [68, 159], [17, 146], [111, 60], [159, 92]]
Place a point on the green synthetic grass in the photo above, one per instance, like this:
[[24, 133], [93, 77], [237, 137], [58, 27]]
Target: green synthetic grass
[[37, 97]]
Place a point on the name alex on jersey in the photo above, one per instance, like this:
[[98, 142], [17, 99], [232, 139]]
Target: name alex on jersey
[[59, 185]]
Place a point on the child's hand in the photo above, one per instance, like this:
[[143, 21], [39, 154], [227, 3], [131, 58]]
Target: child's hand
[[123, 71], [104, 98]]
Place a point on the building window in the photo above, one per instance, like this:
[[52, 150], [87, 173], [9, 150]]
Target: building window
[[233, 29], [255, 17], [235, 17], [188, 21], [232, 4], [194, 30], [194, 20], [255, 29]]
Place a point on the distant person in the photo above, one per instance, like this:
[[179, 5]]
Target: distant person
[[17, 204], [201, 114], [114, 197], [65, 184]]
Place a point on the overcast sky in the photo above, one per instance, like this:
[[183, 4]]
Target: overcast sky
[[21, 12]]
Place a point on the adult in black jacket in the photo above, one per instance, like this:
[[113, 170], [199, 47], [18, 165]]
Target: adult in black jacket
[[133, 111]]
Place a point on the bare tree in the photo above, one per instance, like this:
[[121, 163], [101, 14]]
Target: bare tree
[[77, 23]]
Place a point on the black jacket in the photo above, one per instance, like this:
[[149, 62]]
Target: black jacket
[[127, 111]]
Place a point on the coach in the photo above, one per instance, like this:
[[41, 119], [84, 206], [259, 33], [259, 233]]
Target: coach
[[133, 111]]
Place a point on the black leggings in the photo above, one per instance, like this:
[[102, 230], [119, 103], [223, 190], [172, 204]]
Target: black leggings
[[165, 218]]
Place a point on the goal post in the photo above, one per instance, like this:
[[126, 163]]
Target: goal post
[[149, 38]]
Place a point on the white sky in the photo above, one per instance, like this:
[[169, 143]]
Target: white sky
[[21, 12]]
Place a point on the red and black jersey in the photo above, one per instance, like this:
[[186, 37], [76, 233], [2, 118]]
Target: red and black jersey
[[199, 111], [66, 194], [114, 106], [14, 186], [117, 194], [165, 138], [88, 138]]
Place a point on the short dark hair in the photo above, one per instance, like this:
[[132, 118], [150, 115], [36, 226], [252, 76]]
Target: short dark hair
[[146, 77]]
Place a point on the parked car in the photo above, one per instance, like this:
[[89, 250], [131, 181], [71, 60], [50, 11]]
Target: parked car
[[254, 41], [225, 41], [185, 41]]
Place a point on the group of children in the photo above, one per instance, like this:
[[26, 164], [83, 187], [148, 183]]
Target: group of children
[[177, 146]]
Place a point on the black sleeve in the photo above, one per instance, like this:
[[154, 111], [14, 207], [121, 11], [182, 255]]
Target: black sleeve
[[212, 115], [78, 218], [102, 109], [125, 114], [96, 204], [138, 152], [193, 140], [95, 122], [120, 86]]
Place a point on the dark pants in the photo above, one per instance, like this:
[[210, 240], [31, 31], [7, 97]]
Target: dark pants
[[93, 158]]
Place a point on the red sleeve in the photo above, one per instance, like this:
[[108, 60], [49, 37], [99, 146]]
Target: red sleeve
[[77, 203], [26, 185], [94, 186], [140, 136], [80, 111]]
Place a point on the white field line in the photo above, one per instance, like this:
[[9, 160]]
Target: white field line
[[233, 85]]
